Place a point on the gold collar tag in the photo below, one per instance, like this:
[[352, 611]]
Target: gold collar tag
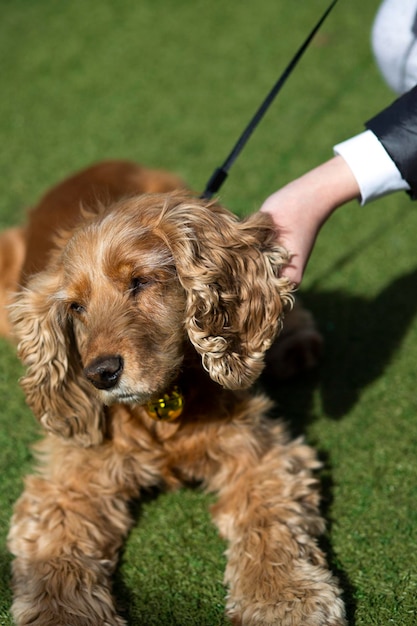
[[168, 407]]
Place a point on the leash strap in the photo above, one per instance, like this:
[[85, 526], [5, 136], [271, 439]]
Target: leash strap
[[220, 174]]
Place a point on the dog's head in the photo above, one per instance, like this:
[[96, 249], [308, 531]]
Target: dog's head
[[106, 322]]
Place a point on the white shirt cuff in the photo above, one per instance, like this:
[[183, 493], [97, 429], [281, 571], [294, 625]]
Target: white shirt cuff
[[371, 165]]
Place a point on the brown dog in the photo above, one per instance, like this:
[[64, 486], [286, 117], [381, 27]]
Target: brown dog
[[141, 327]]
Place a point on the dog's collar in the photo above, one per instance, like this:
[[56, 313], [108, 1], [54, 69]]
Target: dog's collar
[[168, 407]]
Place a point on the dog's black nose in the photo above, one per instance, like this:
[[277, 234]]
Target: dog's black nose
[[104, 372]]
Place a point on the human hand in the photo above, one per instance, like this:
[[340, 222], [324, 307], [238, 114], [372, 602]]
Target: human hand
[[300, 209]]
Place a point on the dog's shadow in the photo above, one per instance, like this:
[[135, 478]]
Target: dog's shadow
[[361, 337]]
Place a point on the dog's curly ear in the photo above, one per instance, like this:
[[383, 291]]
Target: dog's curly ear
[[55, 389], [230, 270]]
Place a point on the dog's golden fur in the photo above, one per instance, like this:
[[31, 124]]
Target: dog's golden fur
[[136, 294]]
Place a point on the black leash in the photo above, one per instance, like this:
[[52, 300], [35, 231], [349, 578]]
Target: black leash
[[220, 173]]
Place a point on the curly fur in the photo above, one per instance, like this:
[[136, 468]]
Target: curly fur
[[133, 296]]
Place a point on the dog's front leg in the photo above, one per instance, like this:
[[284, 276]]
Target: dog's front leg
[[66, 531], [276, 573]]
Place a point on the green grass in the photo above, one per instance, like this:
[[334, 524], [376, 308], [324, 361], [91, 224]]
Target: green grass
[[171, 84]]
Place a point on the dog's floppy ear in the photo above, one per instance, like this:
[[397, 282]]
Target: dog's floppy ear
[[55, 389], [230, 270]]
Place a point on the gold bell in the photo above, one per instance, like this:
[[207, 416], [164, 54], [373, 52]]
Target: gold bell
[[168, 407]]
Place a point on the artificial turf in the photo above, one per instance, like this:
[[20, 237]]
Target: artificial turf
[[171, 84]]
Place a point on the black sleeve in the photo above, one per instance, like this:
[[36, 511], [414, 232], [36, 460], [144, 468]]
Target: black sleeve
[[396, 129]]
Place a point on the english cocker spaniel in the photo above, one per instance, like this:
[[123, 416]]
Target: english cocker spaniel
[[142, 324]]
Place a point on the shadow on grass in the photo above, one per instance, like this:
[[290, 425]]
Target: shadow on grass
[[361, 337], [327, 490]]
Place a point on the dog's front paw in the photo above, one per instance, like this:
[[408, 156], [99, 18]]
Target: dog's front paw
[[319, 605], [284, 592], [56, 594]]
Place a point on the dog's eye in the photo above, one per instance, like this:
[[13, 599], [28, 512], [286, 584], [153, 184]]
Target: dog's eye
[[76, 308], [138, 283]]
